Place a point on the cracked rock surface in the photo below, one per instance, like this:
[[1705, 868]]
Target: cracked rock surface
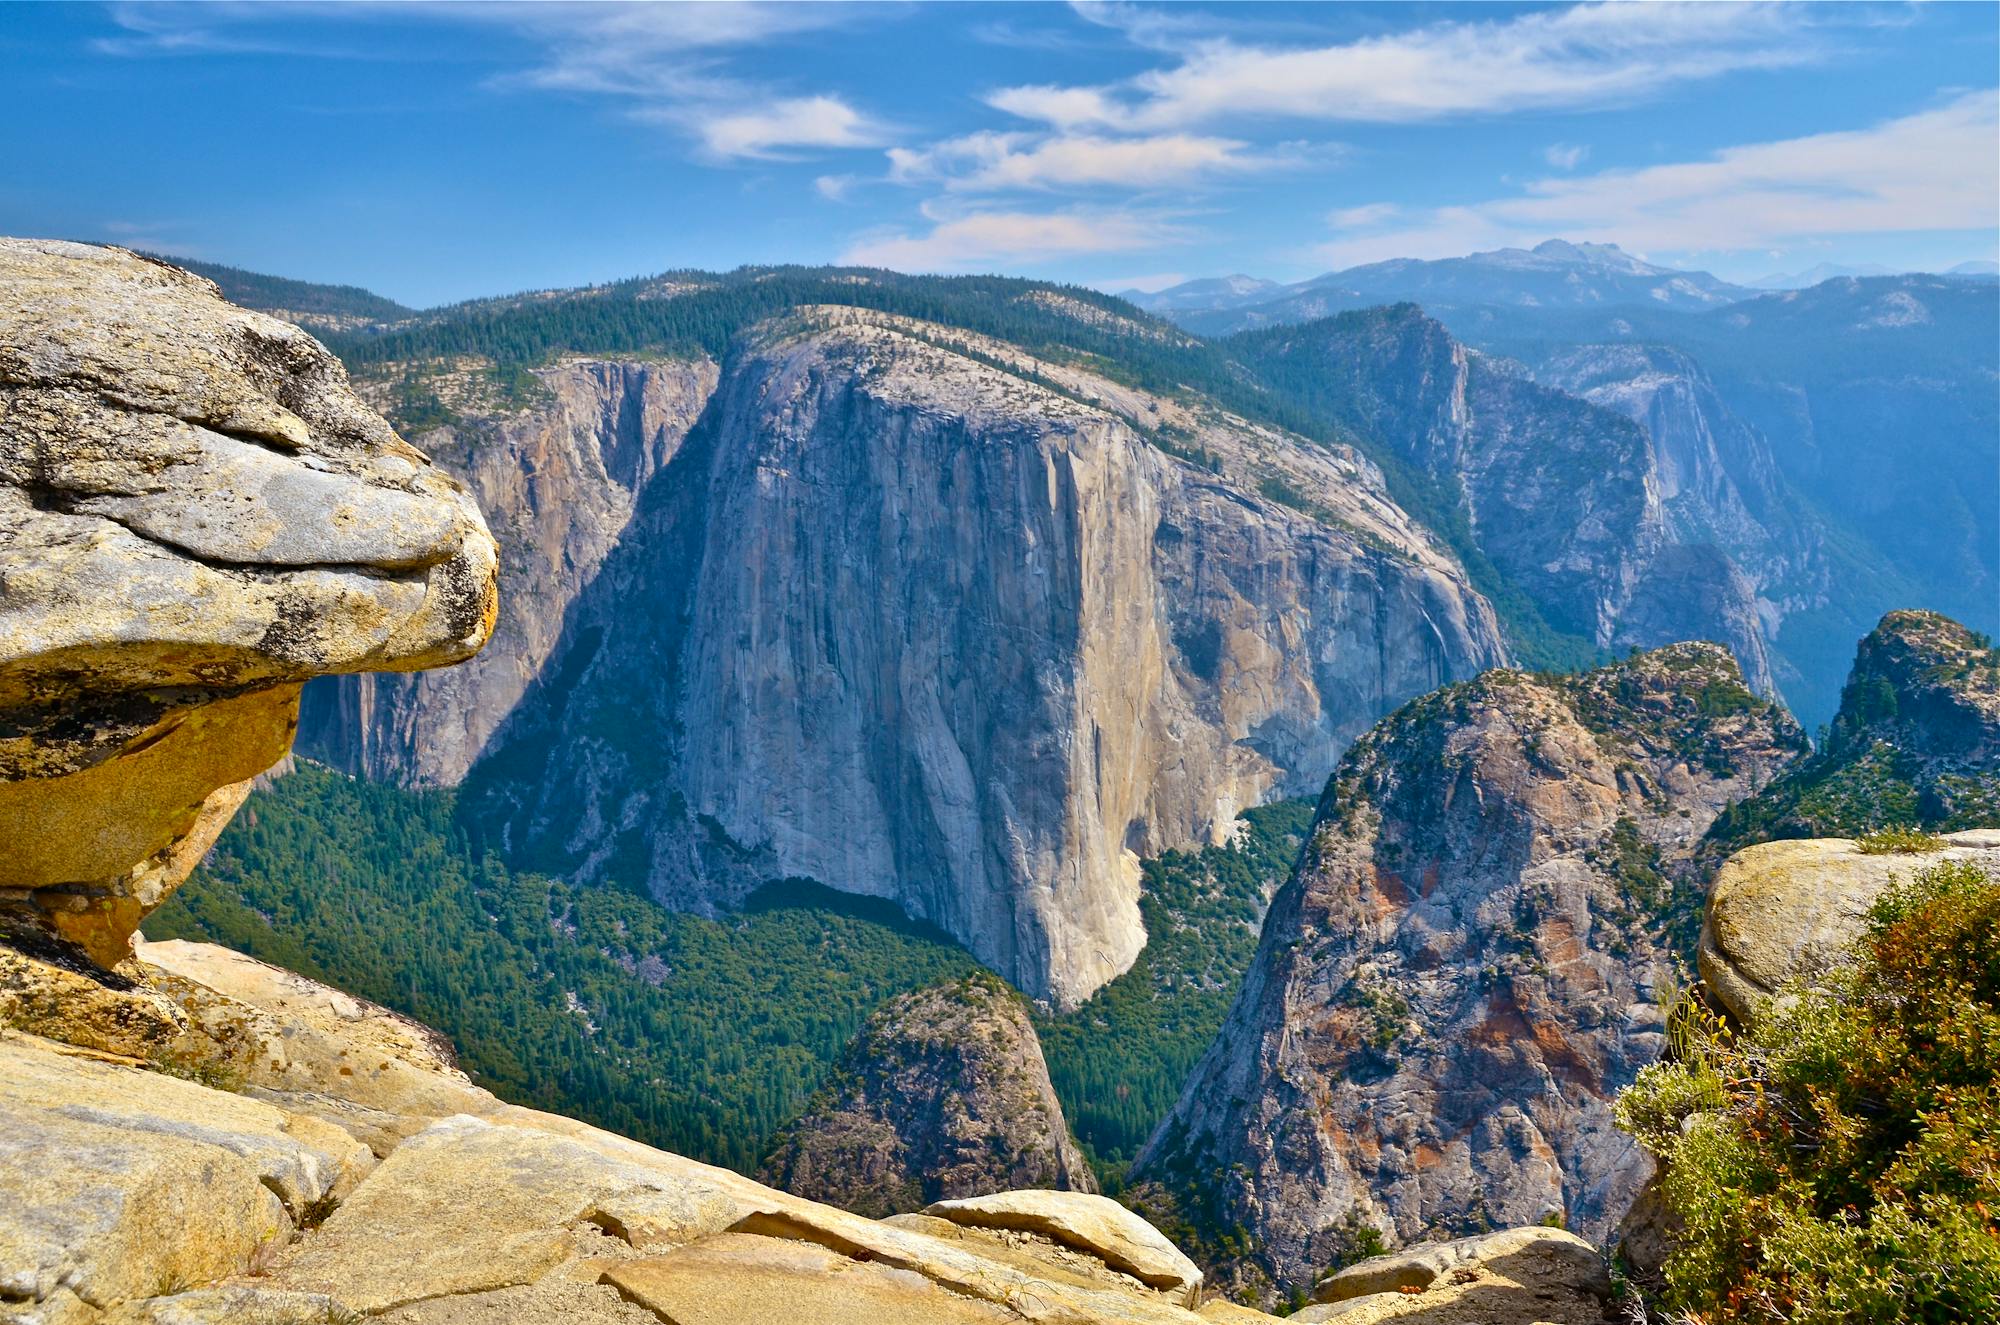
[[196, 515]]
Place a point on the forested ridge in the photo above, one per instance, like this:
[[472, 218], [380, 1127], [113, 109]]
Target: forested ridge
[[256, 290], [701, 1036]]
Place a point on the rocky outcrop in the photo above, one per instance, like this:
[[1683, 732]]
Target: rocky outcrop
[[558, 475], [196, 516], [1790, 911], [963, 629], [1916, 743], [943, 1094], [1467, 966], [1569, 501]]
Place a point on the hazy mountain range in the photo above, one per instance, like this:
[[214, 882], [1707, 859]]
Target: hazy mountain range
[[1553, 274]]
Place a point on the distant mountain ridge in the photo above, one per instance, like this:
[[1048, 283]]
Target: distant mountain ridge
[[1553, 274], [1863, 407]]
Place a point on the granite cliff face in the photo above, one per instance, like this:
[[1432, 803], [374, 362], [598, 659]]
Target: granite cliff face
[[1467, 965], [196, 516], [963, 629], [1721, 485], [559, 478], [943, 1095], [1610, 536]]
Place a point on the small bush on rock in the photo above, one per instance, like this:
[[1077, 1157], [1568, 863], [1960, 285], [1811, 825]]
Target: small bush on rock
[[1899, 840], [1839, 1162]]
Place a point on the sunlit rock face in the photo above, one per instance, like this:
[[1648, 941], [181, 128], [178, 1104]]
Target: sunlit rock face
[[917, 616], [196, 515], [1467, 964]]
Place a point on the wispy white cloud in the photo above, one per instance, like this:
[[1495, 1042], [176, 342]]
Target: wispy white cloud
[[956, 243], [1590, 54], [775, 129], [1564, 156], [640, 51], [1936, 170], [992, 162], [667, 64]]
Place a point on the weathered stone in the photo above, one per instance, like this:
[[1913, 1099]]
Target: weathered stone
[[1350, 1309], [469, 1206], [1647, 1236], [512, 1219], [1518, 1276], [196, 515], [90, 1009], [1230, 1313], [943, 1094], [118, 1180], [556, 1300], [1034, 1253], [1095, 1224], [964, 1266], [311, 1048], [240, 1304], [137, 823], [1786, 911], [736, 1277]]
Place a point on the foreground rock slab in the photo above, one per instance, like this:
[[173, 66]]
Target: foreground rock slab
[[739, 1277], [115, 1180], [268, 1202], [1419, 1268], [1095, 1224]]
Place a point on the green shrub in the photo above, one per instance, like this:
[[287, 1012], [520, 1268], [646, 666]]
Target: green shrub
[[1839, 1162], [1899, 840]]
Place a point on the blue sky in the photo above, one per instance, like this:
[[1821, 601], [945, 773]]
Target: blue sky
[[435, 152]]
